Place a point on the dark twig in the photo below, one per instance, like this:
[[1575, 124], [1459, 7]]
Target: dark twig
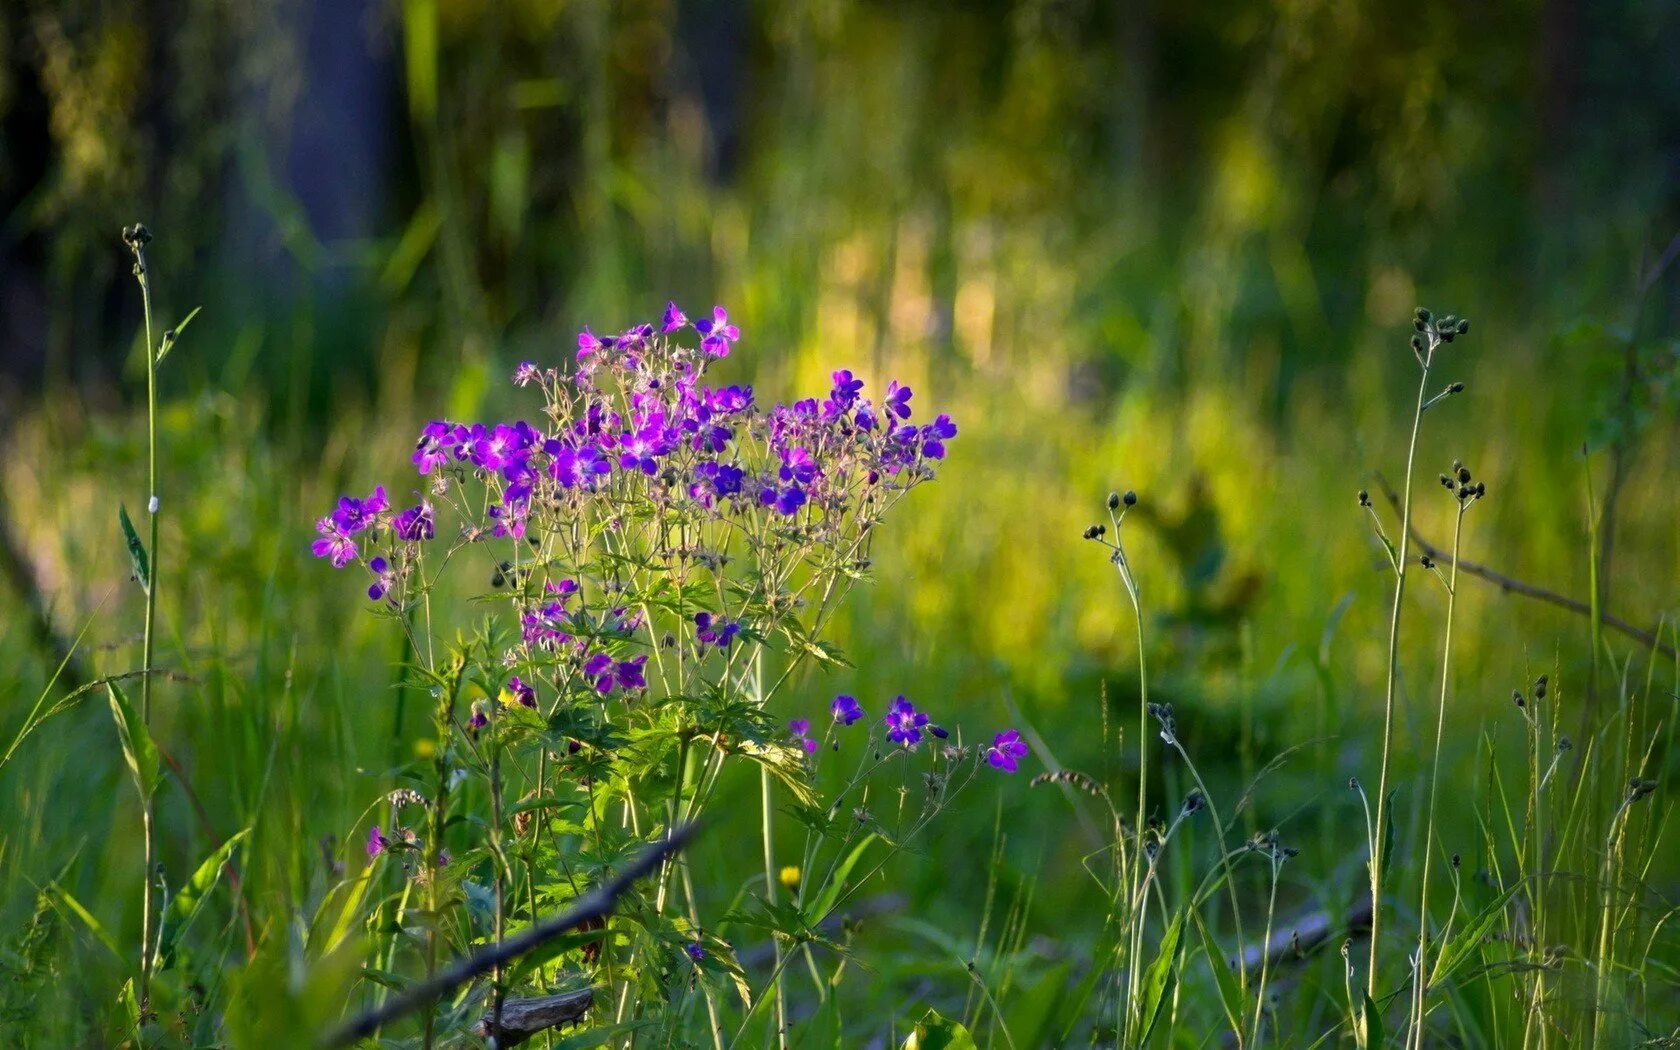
[[1516, 586], [595, 905], [523, 1018]]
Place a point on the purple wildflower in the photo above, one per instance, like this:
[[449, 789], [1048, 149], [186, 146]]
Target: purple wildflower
[[904, 723], [432, 450], [787, 499], [846, 389], [717, 333], [629, 674], [846, 709], [377, 843], [526, 374], [588, 343], [897, 402], [415, 523], [354, 515], [524, 694], [801, 730], [715, 630], [1007, 750], [333, 544], [383, 578], [696, 951], [935, 434], [577, 467], [674, 317]]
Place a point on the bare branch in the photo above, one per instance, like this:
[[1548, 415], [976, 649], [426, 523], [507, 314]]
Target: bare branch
[[1529, 590], [597, 904]]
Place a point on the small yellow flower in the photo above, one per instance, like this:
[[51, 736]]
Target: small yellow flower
[[789, 877], [425, 748]]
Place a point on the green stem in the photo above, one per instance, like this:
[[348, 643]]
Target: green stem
[[1377, 843], [1421, 989], [149, 645], [770, 862]]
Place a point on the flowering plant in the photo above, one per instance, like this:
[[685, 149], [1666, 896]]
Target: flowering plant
[[663, 556]]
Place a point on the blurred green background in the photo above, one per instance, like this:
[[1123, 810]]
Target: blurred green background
[[1169, 247]]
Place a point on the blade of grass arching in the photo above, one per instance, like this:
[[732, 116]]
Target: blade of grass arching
[[35, 719], [62, 899], [1517, 841], [1579, 804]]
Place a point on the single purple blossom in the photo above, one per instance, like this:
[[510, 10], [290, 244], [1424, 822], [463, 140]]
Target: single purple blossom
[[787, 499], [354, 515], [674, 317], [904, 723], [1007, 750], [377, 843], [717, 333], [415, 523], [525, 694], [715, 630], [333, 544], [383, 577], [798, 466], [629, 674], [696, 951], [589, 343], [526, 374], [801, 730], [897, 402], [432, 450], [935, 434], [846, 709], [846, 388], [578, 467]]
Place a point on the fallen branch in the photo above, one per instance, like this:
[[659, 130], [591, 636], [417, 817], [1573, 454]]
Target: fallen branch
[[524, 1018], [1529, 590], [597, 904], [1307, 934]]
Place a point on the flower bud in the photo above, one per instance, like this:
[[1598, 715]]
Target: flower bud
[[1114, 501]]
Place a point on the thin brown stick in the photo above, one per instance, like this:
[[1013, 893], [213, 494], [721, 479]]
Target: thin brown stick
[[1515, 586], [597, 904]]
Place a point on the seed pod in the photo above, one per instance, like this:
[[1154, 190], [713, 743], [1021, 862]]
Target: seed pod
[[1130, 498], [1114, 501]]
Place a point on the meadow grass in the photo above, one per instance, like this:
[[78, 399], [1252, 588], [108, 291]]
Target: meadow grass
[[1531, 911]]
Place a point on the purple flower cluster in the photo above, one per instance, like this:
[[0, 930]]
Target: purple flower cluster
[[906, 725], [637, 406]]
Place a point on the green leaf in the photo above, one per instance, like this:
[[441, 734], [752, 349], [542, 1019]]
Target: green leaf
[[136, 550], [1368, 1030], [174, 334], [1465, 942], [189, 899], [1159, 977], [1230, 989], [136, 743], [786, 764], [818, 910], [934, 1032], [62, 899]]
